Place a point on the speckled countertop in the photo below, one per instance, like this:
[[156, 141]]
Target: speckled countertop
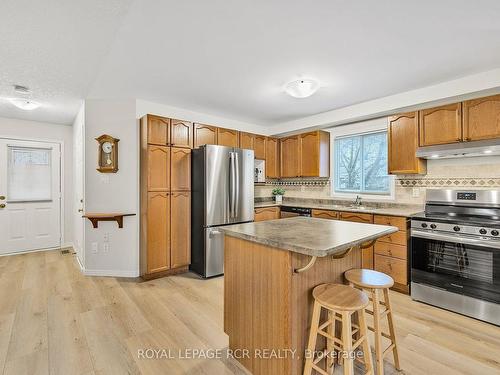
[[308, 236], [393, 210]]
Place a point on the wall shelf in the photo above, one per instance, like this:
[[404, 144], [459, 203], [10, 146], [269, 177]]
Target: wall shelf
[[96, 217]]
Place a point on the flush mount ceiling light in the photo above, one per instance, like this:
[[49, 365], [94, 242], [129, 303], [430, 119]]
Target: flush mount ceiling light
[[302, 88], [26, 104]]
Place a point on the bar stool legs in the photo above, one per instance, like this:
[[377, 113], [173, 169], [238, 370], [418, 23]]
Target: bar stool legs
[[374, 284], [341, 304]]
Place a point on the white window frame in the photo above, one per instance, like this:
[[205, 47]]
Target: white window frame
[[359, 128]]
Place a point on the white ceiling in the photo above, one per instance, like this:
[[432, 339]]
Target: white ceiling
[[231, 58]]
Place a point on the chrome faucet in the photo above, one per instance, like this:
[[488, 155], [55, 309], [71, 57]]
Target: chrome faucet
[[357, 202]]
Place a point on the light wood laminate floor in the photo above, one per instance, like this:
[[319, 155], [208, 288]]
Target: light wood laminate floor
[[54, 320]]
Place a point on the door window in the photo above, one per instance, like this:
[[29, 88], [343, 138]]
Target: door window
[[29, 174]]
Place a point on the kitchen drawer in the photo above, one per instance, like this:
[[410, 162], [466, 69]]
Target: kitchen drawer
[[357, 217], [396, 268], [391, 250], [399, 238], [325, 214], [395, 221], [267, 213]]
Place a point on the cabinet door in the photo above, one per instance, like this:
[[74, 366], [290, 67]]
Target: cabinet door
[[315, 154], [180, 229], [441, 125], [227, 137], [247, 140], [158, 232], [158, 168], [395, 268], [180, 169], [325, 214], [272, 158], [290, 156], [204, 135], [403, 142], [259, 147], [481, 118], [158, 130], [267, 213], [181, 133]]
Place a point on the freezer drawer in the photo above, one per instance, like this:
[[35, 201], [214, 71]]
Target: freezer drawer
[[214, 252]]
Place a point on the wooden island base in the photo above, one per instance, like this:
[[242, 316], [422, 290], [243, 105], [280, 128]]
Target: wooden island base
[[268, 307]]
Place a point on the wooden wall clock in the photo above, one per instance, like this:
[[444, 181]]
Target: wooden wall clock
[[108, 154]]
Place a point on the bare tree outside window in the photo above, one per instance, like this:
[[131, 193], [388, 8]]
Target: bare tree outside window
[[361, 164]]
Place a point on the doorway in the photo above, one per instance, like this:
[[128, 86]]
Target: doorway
[[30, 195]]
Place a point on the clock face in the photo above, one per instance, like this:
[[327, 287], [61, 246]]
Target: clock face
[[107, 147]]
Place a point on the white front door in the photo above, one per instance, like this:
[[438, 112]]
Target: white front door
[[30, 195]]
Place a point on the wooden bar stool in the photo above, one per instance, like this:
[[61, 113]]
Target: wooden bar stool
[[341, 302], [373, 282]]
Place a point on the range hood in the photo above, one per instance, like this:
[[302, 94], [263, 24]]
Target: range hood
[[459, 150]]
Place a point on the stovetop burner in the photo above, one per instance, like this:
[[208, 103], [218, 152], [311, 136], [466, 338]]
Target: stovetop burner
[[492, 221]]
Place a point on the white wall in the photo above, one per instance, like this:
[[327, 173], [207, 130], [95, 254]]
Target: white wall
[[145, 107], [112, 192], [32, 130], [78, 183]]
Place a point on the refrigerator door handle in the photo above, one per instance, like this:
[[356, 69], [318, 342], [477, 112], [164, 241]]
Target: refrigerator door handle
[[232, 183], [237, 185]]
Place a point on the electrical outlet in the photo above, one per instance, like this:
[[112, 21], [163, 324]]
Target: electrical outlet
[[95, 247], [106, 237], [302, 188], [105, 247], [415, 192]]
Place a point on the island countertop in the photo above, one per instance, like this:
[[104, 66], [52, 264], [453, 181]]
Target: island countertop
[[308, 236]]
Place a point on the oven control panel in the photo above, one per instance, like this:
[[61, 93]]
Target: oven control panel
[[455, 228], [466, 196]]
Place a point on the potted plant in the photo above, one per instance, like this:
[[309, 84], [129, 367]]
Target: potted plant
[[278, 194]]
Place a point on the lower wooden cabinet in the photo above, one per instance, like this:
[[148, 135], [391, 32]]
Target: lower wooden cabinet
[[180, 229], [267, 213], [325, 214], [157, 257], [391, 251]]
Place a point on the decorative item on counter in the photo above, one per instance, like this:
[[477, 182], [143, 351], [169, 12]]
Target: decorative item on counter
[[278, 194], [107, 154]]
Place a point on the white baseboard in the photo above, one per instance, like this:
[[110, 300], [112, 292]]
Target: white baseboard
[[112, 273], [38, 250]]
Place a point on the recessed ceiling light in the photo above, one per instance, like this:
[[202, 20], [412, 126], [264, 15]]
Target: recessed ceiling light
[[26, 104], [487, 151], [302, 88], [22, 89], [435, 156]]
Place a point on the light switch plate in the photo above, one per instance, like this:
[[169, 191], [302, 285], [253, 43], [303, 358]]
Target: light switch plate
[[415, 192], [95, 247]]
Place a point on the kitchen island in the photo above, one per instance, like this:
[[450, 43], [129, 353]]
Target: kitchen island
[[270, 269]]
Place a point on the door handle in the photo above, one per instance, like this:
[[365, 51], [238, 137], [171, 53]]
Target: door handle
[[2, 205], [80, 210], [2, 197]]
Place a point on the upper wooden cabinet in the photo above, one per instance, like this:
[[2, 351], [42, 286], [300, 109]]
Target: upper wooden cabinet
[[158, 168], [403, 143], [158, 130], [259, 147], [290, 156], [204, 135], [247, 140], [272, 158], [481, 118], [228, 137], [315, 154], [441, 125], [180, 167], [181, 133]]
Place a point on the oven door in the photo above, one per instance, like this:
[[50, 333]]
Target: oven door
[[460, 264]]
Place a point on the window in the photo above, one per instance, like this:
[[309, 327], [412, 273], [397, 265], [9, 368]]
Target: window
[[361, 164], [29, 174]]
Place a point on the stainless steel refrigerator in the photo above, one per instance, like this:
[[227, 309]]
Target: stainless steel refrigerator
[[222, 194]]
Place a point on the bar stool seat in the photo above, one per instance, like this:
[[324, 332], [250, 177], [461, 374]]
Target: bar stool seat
[[374, 282], [341, 302], [340, 297]]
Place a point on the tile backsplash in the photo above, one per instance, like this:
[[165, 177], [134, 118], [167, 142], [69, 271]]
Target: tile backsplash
[[459, 173]]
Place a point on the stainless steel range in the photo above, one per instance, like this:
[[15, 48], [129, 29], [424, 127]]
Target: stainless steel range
[[455, 252]]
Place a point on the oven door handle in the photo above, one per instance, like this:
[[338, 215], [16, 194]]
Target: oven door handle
[[491, 243]]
